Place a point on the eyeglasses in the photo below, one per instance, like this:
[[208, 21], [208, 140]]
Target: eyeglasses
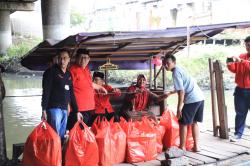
[[84, 57], [63, 58]]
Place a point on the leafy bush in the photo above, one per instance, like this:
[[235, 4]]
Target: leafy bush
[[76, 18]]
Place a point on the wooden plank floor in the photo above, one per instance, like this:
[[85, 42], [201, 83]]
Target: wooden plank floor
[[214, 151]]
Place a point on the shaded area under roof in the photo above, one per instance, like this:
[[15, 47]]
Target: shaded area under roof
[[130, 50]]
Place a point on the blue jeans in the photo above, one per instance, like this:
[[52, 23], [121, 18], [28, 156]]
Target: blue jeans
[[242, 105], [57, 118]]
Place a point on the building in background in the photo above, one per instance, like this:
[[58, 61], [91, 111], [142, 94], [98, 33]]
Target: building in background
[[133, 15]]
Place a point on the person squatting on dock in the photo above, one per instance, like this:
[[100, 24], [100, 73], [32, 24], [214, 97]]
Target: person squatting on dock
[[138, 97], [57, 94], [240, 66], [83, 89], [190, 101]]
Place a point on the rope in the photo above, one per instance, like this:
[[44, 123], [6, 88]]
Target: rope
[[24, 96], [107, 94]]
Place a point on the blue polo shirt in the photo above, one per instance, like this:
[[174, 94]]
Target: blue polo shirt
[[183, 81]]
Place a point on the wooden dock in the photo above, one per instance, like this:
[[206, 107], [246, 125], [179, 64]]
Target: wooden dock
[[214, 151]]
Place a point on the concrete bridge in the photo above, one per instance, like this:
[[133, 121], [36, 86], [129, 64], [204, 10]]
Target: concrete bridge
[[55, 19]]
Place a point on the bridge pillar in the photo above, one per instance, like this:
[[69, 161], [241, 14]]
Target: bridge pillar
[[55, 19], [5, 31], [6, 8]]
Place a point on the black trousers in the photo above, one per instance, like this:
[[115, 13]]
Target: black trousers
[[88, 118]]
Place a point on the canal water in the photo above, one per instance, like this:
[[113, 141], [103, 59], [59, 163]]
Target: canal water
[[23, 113]]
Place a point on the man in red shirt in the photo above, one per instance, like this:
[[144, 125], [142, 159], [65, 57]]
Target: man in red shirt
[[240, 66], [83, 88], [102, 103], [138, 97]]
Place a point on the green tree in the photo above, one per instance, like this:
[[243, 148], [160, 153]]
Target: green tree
[[76, 19]]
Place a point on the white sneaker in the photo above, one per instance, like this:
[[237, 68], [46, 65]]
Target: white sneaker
[[235, 138]]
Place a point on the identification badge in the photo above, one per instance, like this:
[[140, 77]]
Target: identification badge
[[66, 87]]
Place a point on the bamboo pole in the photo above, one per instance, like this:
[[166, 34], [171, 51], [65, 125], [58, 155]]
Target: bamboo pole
[[213, 99], [155, 86], [150, 73], [3, 156]]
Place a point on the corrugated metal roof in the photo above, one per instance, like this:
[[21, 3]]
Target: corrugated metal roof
[[135, 46]]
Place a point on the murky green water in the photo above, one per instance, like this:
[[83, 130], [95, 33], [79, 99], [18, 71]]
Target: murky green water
[[22, 114]]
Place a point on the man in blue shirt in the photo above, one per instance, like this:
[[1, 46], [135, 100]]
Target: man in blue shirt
[[190, 101]]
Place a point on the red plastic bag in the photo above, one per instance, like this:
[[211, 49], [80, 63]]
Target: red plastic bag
[[160, 131], [111, 141], [189, 140], [43, 147], [120, 139], [141, 142], [171, 136], [81, 149], [96, 125]]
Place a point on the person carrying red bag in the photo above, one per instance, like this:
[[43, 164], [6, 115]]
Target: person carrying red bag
[[83, 89], [58, 94]]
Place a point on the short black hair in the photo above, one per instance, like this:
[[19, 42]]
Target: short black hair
[[247, 39], [98, 74], [59, 51], [81, 51], [169, 56]]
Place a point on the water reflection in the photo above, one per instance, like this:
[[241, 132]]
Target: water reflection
[[21, 114]]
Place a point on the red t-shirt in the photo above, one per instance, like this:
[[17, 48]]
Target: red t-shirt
[[83, 88], [102, 101], [242, 71], [140, 100]]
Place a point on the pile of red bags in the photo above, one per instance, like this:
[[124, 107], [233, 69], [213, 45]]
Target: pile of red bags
[[171, 137], [141, 141], [110, 143], [111, 140], [43, 147], [81, 149]]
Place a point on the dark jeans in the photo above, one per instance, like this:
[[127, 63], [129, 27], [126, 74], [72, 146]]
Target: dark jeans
[[88, 118], [242, 105]]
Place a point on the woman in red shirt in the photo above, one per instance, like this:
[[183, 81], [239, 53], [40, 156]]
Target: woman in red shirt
[[102, 103]]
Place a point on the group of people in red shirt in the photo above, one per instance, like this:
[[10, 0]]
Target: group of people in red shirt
[[87, 98]]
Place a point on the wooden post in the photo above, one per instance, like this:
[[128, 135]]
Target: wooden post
[[106, 76], [3, 156], [164, 78], [213, 99], [163, 104], [150, 73], [221, 100], [155, 86]]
